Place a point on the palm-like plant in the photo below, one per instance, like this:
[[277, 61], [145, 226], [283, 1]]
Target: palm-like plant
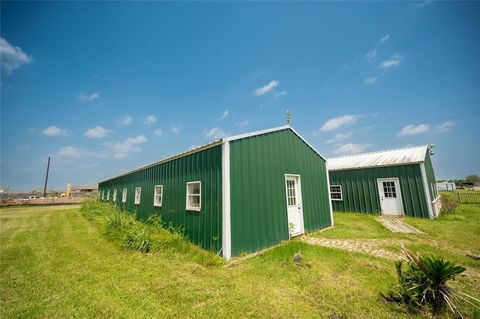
[[424, 283]]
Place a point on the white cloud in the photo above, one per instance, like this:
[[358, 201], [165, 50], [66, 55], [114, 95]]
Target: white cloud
[[73, 152], [370, 55], [158, 132], [214, 133], [444, 127], [337, 122], [125, 120], [96, 132], [242, 124], [371, 80], [412, 129], [176, 129], [349, 149], [150, 119], [69, 151], [55, 131], [385, 38], [130, 145], [340, 137], [281, 94], [84, 97], [225, 114], [11, 57], [394, 61], [266, 88]]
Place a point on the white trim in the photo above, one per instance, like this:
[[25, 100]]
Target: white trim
[[124, 195], [341, 193], [226, 222], [192, 208], [168, 159], [280, 128], [299, 203], [305, 141], [329, 197], [115, 195], [399, 192], [215, 143], [426, 189], [240, 136], [138, 192], [155, 196]]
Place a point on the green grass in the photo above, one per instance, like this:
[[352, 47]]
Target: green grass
[[453, 236], [56, 263]]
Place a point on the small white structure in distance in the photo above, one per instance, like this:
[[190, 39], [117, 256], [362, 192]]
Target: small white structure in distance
[[447, 186]]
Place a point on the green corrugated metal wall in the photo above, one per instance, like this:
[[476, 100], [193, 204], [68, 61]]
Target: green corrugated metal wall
[[258, 166], [431, 181], [360, 190], [203, 227]]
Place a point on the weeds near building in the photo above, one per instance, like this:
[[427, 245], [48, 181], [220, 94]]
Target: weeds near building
[[147, 236], [449, 205]]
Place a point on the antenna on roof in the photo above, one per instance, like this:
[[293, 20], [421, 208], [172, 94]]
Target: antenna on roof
[[289, 117]]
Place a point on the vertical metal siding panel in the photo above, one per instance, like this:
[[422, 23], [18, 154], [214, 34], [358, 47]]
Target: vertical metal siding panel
[[200, 227], [410, 184], [260, 178]]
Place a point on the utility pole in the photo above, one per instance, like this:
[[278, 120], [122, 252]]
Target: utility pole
[[289, 117], [46, 179]]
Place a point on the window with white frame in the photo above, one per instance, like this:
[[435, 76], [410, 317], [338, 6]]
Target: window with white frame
[[108, 195], [194, 196], [158, 196], [124, 195], [336, 192], [138, 194], [115, 195], [103, 195]]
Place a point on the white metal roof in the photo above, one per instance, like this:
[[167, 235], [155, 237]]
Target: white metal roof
[[407, 155], [215, 143]]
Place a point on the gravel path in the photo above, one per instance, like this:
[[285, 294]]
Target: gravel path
[[398, 226], [367, 246]]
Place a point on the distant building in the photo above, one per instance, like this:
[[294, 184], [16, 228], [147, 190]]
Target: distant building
[[397, 183], [90, 189], [446, 186]]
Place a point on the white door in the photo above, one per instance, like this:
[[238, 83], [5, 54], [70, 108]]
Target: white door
[[294, 205], [390, 196]]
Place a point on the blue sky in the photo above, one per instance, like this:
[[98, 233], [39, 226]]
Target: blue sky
[[106, 87]]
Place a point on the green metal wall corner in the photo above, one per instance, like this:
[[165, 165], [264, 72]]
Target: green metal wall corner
[[258, 165], [204, 227]]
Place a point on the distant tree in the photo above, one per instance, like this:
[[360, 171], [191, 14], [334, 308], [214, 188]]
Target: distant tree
[[458, 182], [473, 179]]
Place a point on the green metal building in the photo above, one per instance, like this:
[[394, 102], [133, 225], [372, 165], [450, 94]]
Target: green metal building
[[237, 194], [399, 182]]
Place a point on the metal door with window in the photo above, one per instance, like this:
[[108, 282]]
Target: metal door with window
[[390, 196], [294, 204]]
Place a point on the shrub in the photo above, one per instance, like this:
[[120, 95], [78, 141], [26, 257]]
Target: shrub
[[422, 284], [449, 205]]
